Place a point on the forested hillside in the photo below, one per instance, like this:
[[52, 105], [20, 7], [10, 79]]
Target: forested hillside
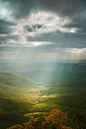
[[16, 80], [56, 120], [21, 97]]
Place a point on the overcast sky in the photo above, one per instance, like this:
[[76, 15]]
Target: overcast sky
[[43, 29]]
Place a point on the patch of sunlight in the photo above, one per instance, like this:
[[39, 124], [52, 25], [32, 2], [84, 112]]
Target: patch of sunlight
[[33, 95], [44, 96], [32, 90], [53, 96], [39, 88], [36, 113], [40, 105], [28, 114]]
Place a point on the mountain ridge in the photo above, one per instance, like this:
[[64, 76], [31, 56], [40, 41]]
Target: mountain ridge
[[16, 80]]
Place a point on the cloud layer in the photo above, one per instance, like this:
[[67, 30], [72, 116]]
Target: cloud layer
[[43, 25]]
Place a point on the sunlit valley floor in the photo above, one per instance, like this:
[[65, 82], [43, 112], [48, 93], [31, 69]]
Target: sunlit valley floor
[[26, 92]]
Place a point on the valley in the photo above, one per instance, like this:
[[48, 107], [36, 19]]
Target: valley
[[32, 93]]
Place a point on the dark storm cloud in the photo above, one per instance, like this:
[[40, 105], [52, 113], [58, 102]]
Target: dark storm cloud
[[4, 40], [62, 40], [74, 9], [70, 8], [6, 27], [30, 29], [21, 8], [27, 28], [2, 23], [64, 7], [80, 24], [38, 26]]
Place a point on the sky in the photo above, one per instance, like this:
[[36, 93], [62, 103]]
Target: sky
[[43, 29]]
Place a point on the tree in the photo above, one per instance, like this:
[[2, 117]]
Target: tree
[[54, 121]]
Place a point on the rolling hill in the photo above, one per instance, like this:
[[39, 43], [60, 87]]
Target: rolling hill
[[16, 80], [59, 89], [14, 101]]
